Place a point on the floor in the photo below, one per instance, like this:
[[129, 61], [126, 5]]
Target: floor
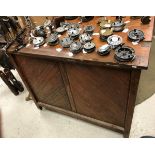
[[22, 119]]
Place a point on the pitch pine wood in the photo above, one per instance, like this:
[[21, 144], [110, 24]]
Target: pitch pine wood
[[86, 86], [45, 80], [99, 93]]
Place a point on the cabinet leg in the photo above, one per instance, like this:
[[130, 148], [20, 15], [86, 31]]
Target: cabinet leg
[[134, 81], [39, 107], [126, 134]]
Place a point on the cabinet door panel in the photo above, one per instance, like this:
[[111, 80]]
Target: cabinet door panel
[[44, 78], [99, 92]]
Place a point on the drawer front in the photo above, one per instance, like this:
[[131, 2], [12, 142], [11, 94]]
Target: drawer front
[[45, 80], [99, 93]]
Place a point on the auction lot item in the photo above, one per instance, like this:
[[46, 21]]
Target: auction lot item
[[89, 85]]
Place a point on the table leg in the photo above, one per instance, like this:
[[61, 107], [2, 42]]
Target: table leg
[[134, 81]]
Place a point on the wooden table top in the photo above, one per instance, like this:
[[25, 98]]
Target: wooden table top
[[142, 50]]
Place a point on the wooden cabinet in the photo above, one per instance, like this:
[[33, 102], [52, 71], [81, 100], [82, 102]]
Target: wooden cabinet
[[90, 87]]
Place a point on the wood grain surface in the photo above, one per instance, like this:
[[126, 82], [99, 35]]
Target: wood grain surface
[[142, 50], [99, 92], [45, 80], [87, 86]]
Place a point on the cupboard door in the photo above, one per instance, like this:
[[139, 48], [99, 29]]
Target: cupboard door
[[99, 92], [44, 78]]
